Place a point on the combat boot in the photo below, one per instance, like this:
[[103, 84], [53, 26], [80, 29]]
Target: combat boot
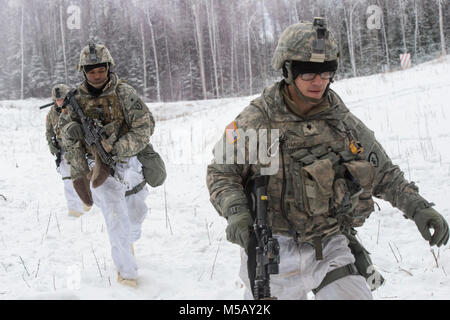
[[86, 208], [74, 213], [126, 282]]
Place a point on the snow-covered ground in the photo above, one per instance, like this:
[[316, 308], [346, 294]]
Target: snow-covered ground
[[183, 253]]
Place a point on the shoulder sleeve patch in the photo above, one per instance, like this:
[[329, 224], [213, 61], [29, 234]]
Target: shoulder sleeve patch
[[232, 132], [132, 99], [373, 159], [134, 102]]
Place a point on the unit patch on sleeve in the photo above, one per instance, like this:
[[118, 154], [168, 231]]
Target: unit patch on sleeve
[[134, 101], [232, 132], [373, 159]]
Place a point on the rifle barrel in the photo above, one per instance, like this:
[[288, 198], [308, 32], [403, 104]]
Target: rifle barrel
[[46, 105]]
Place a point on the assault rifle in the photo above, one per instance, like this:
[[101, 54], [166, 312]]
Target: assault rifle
[[58, 154], [93, 134], [46, 105], [264, 250]]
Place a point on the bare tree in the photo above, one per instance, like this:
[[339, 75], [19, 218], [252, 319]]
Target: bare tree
[[249, 48], [264, 34], [416, 26], [22, 52], [190, 49], [232, 55], [441, 28], [212, 40], [402, 24], [349, 24], [155, 55], [169, 65], [386, 45], [199, 37], [144, 59], [63, 39]]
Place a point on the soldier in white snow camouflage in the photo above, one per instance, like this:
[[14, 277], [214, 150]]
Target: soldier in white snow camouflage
[[54, 140], [331, 166], [128, 124]]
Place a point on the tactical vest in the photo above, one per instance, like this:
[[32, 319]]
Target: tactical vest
[[322, 187], [53, 118], [105, 109]]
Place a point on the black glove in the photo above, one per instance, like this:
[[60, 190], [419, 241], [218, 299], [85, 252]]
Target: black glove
[[427, 218], [238, 229]]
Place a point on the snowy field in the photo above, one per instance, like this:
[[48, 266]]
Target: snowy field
[[183, 253]]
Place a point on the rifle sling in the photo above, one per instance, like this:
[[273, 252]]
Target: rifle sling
[[338, 273], [282, 139], [317, 241], [136, 189]]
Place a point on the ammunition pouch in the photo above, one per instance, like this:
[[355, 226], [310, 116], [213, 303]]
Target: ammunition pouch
[[325, 182], [317, 186], [352, 199]]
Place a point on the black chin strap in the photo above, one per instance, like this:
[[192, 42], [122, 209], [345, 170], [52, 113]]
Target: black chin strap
[[308, 100], [290, 80]]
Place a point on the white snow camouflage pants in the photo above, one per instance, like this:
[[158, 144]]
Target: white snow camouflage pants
[[123, 215], [300, 272], [73, 201]]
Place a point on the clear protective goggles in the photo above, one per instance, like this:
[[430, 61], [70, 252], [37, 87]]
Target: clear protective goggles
[[310, 76]]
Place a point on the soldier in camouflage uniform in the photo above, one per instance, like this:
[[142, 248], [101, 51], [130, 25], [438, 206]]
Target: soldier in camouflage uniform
[[128, 123], [330, 167], [53, 135]]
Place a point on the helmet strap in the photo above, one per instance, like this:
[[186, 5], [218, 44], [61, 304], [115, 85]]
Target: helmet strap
[[307, 100]]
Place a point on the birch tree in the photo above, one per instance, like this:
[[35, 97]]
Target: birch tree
[[63, 39], [386, 45], [212, 40], [402, 24], [265, 43], [155, 55], [199, 39], [349, 24], [416, 26], [169, 65], [441, 28], [249, 48], [144, 59], [22, 58], [197, 49]]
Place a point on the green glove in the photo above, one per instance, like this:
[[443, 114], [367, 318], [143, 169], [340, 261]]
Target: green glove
[[238, 229], [72, 132], [427, 218]]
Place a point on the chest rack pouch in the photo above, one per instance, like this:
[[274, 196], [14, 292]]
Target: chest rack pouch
[[352, 199], [317, 186]]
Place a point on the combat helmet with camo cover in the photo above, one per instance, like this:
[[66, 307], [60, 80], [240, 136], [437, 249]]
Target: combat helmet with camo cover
[[307, 42], [94, 54], [60, 91]]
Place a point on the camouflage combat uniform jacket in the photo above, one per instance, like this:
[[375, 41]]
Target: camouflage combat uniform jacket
[[127, 121], [52, 131], [313, 149]]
